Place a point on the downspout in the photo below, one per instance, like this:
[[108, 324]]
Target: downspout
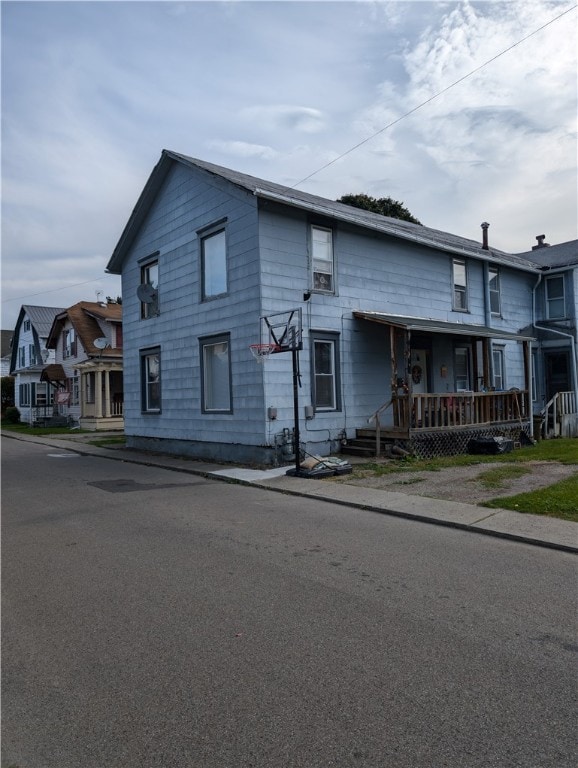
[[567, 335]]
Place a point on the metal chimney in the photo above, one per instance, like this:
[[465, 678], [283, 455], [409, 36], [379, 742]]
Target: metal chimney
[[541, 243], [485, 245]]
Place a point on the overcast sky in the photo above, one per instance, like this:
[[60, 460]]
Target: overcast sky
[[93, 91]]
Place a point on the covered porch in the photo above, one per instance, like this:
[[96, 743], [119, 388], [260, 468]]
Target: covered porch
[[101, 395], [442, 389]]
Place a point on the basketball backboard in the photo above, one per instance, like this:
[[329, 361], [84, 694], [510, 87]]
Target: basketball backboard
[[282, 329]]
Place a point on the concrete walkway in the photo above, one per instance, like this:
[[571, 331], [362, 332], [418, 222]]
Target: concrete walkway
[[531, 529]]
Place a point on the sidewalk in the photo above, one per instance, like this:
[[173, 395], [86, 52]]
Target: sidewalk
[[531, 529]]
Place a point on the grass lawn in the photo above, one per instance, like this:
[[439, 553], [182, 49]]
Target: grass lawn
[[557, 500], [26, 429]]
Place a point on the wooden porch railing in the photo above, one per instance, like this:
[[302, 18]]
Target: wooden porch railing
[[463, 409], [451, 410], [562, 404]]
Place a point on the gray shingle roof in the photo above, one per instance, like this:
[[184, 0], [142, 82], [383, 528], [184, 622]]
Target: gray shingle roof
[[406, 230], [560, 255], [42, 318]]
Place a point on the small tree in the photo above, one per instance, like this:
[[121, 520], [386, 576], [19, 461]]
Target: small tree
[[7, 392], [385, 206]]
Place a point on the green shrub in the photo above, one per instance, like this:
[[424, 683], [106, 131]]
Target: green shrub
[[12, 415]]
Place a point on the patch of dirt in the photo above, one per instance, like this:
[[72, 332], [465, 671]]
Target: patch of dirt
[[464, 483]]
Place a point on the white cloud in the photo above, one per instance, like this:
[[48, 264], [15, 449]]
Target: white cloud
[[292, 118], [242, 149], [93, 91]]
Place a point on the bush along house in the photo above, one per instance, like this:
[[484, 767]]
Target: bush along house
[[86, 376], [379, 329]]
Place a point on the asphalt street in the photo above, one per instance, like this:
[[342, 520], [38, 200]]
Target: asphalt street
[[156, 619]]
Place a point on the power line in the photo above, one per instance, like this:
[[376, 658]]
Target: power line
[[435, 96], [53, 290]]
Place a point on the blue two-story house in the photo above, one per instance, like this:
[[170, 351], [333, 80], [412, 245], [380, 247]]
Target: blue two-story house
[[425, 335]]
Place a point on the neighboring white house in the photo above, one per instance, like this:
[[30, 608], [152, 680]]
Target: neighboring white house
[[29, 356], [428, 333], [86, 374]]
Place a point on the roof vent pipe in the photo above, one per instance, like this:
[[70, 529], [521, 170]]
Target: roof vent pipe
[[485, 245], [541, 243]]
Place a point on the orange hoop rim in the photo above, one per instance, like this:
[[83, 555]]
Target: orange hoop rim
[[262, 351]]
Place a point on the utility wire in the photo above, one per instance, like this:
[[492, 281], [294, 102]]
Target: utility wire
[[435, 96], [53, 290]]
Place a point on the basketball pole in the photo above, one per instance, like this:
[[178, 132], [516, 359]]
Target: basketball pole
[[294, 354]]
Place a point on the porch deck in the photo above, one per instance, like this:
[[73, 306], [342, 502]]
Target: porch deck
[[443, 423]]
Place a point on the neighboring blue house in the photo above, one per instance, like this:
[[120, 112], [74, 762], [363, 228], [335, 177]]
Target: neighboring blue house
[[555, 314], [409, 328]]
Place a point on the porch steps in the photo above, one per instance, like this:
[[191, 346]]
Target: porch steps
[[363, 444]]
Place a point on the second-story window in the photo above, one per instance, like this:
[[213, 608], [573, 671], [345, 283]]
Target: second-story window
[[555, 307], [32, 354], [69, 343], [149, 290], [21, 357], [322, 259], [460, 285], [494, 280], [214, 263]]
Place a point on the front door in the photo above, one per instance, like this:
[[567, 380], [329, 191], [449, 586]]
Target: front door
[[419, 371], [557, 373]]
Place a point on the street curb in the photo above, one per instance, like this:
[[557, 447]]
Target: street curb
[[216, 475]]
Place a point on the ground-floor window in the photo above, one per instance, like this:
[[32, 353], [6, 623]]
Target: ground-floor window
[[498, 365], [216, 374], [462, 369], [150, 360], [325, 379]]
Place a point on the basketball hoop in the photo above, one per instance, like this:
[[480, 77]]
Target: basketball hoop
[[262, 351]]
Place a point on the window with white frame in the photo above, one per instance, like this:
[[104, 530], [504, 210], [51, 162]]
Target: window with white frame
[[73, 388], [494, 285], [26, 325], [150, 360], [326, 375], [149, 296], [498, 366], [32, 354], [69, 343], [214, 263], [216, 374], [555, 305], [322, 259], [21, 357], [462, 369], [460, 285], [43, 393]]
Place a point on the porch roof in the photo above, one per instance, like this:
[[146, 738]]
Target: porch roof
[[430, 325], [53, 372]]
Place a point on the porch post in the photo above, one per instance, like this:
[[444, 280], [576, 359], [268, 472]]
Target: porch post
[[528, 377], [407, 376], [98, 394], [107, 393], [82, 394], [486, 354]]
